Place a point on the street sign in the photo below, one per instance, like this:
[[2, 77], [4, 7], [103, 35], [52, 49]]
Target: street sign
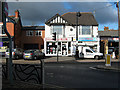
[[108, 60]]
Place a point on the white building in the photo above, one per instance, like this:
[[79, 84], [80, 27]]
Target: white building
[[65, 27]]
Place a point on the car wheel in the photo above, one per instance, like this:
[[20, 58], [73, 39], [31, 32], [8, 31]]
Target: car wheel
[[97, 57], [35, 57]]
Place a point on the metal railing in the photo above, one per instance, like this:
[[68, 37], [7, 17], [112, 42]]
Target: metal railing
[[25, 72]]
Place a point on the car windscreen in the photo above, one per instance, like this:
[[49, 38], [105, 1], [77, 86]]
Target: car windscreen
[[28, 51], [92, 50]]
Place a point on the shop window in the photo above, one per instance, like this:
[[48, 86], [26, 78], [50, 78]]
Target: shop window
[[29, 33], [51, 48], [86, 30], [59, 47], [38, 33], [57, 29], [69, 47]]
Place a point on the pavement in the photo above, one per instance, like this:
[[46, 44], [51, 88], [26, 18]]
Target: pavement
[[24, 85]]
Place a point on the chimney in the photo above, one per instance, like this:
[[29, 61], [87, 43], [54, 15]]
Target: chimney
[[16, 14], [106, 28]]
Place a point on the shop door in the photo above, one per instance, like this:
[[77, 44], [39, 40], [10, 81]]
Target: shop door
[[64, 49]]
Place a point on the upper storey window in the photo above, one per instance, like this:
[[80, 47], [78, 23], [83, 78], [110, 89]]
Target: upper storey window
[[86, 30], [57, 29]]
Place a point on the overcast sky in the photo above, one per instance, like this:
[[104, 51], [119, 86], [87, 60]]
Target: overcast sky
[[36, 13]]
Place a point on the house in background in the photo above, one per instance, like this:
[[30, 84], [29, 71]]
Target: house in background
[[12, 28], [25, 37], [65, 27], [109, 41], [32, 37]]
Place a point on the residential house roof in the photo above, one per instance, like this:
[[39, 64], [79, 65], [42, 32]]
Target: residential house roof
[[108, 33], [86, 18]]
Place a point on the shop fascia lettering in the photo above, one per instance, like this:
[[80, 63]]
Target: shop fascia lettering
[[60, 39]]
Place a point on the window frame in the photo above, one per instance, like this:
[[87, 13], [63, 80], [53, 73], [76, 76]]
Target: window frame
[[28, 33], [59, 28], [85, 29], [38, 33]]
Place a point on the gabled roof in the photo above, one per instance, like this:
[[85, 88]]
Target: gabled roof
[[108, 33], [33, 28], [54, 17], [86, 18]]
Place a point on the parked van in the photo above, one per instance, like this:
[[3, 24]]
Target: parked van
[[87, 52]]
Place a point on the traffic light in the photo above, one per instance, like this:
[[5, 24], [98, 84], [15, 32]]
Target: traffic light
[[54, 36]]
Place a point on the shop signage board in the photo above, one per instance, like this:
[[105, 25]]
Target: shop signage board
[[87, 39], [108, 60], [60, 39]]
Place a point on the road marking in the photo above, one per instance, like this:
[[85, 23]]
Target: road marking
[[62, 66], [92, 68]]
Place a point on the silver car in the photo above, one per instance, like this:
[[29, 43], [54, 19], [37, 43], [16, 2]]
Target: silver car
[[33, 54], [17, 53]]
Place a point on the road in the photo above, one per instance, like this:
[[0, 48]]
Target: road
[[80, 75], [75, 74]]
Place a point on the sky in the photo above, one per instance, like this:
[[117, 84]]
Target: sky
[[36, 13]]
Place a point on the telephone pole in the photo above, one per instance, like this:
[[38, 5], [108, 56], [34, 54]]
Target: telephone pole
[[117, 5]]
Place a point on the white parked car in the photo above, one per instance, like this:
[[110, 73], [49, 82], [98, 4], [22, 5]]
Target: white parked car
[[87, 52]]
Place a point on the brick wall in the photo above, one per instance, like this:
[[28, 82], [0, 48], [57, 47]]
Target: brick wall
[[32, 39], [18, 32]]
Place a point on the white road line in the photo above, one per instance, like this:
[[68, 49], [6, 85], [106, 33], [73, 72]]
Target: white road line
[[92, 68]]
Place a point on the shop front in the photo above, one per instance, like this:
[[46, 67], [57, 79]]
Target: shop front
[[63, 46], [91, 42]]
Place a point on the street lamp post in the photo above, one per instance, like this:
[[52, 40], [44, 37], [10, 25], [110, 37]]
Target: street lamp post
[[118, 27], [77, 16]]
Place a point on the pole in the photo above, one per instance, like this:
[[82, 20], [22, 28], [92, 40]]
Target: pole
[[9, 62], [57, 46], [76, 26], [118, 28], [42, 73]]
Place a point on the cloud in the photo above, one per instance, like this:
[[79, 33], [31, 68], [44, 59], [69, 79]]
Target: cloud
[[38, 12]]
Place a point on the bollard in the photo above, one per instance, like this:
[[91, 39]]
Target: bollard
[[108, 60]]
